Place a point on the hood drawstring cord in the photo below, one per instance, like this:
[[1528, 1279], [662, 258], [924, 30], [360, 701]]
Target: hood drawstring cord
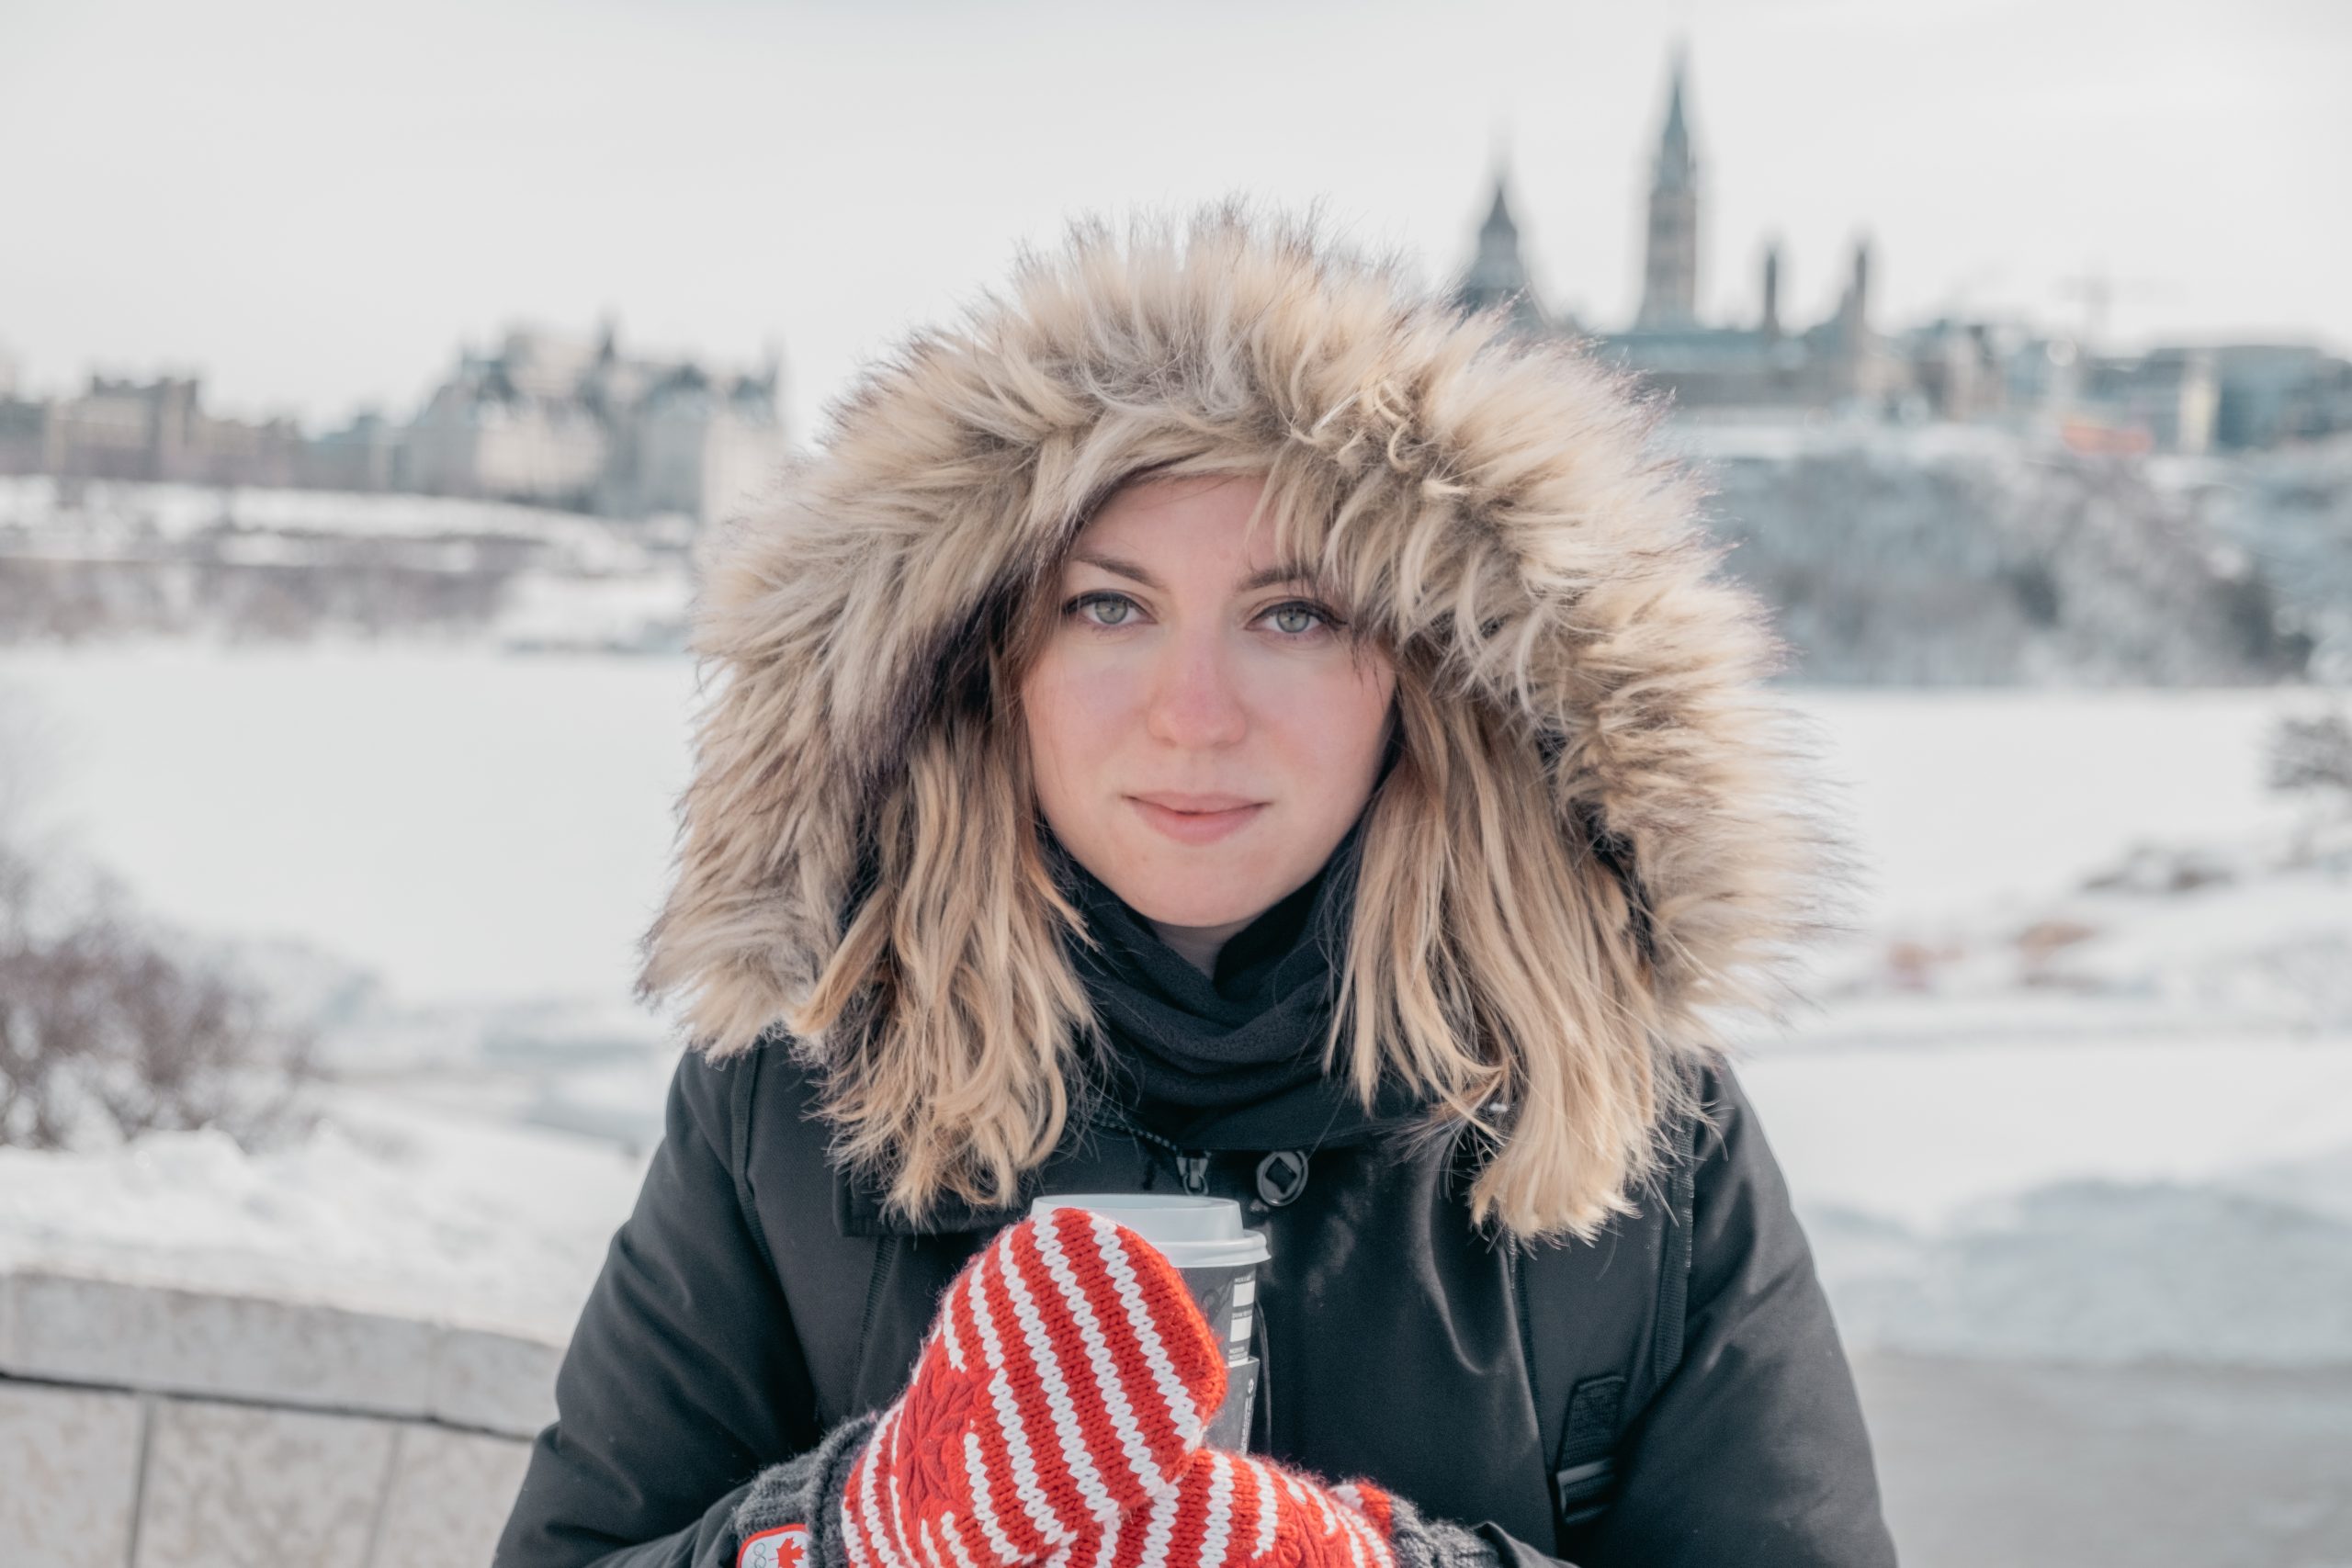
[[1282, 1174], [1192, 1165]]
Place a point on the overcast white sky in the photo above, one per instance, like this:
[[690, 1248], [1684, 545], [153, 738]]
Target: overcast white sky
[[315, 204]]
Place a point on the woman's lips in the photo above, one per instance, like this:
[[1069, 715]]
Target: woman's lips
[[1195, 827]]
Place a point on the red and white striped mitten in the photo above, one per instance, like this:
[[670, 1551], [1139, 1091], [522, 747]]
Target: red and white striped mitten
[[1066, 1380], [1233, 1511]]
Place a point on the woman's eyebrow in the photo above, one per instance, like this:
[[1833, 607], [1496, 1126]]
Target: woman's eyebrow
[[1117, 566]]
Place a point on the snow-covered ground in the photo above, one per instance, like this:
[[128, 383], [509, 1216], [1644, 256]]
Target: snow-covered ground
[[103, 559], [389, 1205], [89, 515], [2033, 1117]]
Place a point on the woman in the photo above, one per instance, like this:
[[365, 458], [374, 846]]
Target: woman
[[1218, 720]]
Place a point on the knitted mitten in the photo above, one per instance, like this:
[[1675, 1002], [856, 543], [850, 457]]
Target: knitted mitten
[[1054, 1421], [1236, 1511], [1066, 1380], [1180, 1530]]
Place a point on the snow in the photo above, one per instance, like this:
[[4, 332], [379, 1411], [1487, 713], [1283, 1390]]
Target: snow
[[1704, 434], [1963, 797], [2058, 1101], [644, 611], [1918, 1134], [467, 827], [124, 558], [385, 1207], [2097, 1270], [124, 508]]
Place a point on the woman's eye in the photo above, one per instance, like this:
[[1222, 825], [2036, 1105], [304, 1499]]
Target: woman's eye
[[1309, 618], [1117, 603]]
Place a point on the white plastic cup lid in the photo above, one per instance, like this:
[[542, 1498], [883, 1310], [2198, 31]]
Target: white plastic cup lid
[[1193, 1232]]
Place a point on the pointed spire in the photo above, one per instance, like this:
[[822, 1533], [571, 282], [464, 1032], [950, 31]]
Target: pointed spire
[[1499, 226], [1499, 222], [1676, 168], [1854, 309], [1670, 256], [1499, 273]]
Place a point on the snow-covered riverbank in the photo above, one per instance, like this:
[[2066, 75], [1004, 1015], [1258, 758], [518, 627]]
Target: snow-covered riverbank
[[455, 851], [2071, 1129]]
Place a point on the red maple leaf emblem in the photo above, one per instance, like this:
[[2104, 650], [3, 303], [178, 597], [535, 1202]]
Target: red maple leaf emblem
[[941, 1404]]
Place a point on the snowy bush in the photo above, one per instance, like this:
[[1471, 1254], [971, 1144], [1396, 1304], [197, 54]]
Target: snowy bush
[[107, 1033], [2314, 754]]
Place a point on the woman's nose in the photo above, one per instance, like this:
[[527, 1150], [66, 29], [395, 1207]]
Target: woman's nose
[[1193, 699]]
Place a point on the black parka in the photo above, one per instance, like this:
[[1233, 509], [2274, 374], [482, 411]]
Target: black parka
[[757, 1297]]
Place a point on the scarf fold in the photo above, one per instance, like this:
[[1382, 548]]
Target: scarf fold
[[1231, 1060]]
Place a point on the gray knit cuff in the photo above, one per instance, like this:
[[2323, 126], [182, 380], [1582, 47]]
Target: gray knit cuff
[[1420, 1541], [807, 1490]]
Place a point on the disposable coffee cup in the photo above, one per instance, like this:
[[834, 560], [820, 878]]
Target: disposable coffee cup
[[1220, 1259]]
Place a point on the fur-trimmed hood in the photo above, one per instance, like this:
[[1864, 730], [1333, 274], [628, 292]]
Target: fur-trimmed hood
[[1505, 495]]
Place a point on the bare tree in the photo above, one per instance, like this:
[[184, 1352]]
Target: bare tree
[[104, 1029], [2312, 756], [2313, 753]]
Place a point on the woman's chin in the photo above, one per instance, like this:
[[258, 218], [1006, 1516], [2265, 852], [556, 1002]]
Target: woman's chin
[[1206, 890]]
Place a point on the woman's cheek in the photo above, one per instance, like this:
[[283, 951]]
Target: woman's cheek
[[1333, 716], [1077, 707], [1097, 694]]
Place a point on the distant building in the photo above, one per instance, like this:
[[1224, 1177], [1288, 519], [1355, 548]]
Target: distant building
[[2268, 393], [120, 429], [1836, 362], [546, 420], [1670, 256], [569, 423], [1706, 366], [366, 455], [2174, 398], [2170, 393]]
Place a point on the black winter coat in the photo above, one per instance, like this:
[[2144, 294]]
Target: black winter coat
[[756, 1297]]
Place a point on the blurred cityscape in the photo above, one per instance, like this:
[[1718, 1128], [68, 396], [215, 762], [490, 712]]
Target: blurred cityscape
[[1961, 501], [543, 419], [2009, 372]]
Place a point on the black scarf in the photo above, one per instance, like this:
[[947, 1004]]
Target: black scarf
[[1233, 1060]]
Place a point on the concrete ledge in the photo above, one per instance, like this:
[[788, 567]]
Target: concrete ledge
[[96, 1479], [240, 1483], [494, 1382], [110, 1335], [449, 1496], [171, 1341], [165, 1427], [71, 1463]]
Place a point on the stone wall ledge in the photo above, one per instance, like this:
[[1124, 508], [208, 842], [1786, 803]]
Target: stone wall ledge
[[158, 1426], [100, 1334]]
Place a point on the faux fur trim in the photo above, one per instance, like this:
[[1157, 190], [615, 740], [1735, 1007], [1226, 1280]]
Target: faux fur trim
[[1521, 513]]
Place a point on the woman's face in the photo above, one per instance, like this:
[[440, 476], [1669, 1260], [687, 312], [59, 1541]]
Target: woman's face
[[1201, 730]]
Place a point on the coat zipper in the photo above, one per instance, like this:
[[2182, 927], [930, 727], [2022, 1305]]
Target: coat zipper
[[1192, 1166]]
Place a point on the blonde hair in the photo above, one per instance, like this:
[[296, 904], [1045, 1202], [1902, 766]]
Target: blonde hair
[[1496, 969]]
